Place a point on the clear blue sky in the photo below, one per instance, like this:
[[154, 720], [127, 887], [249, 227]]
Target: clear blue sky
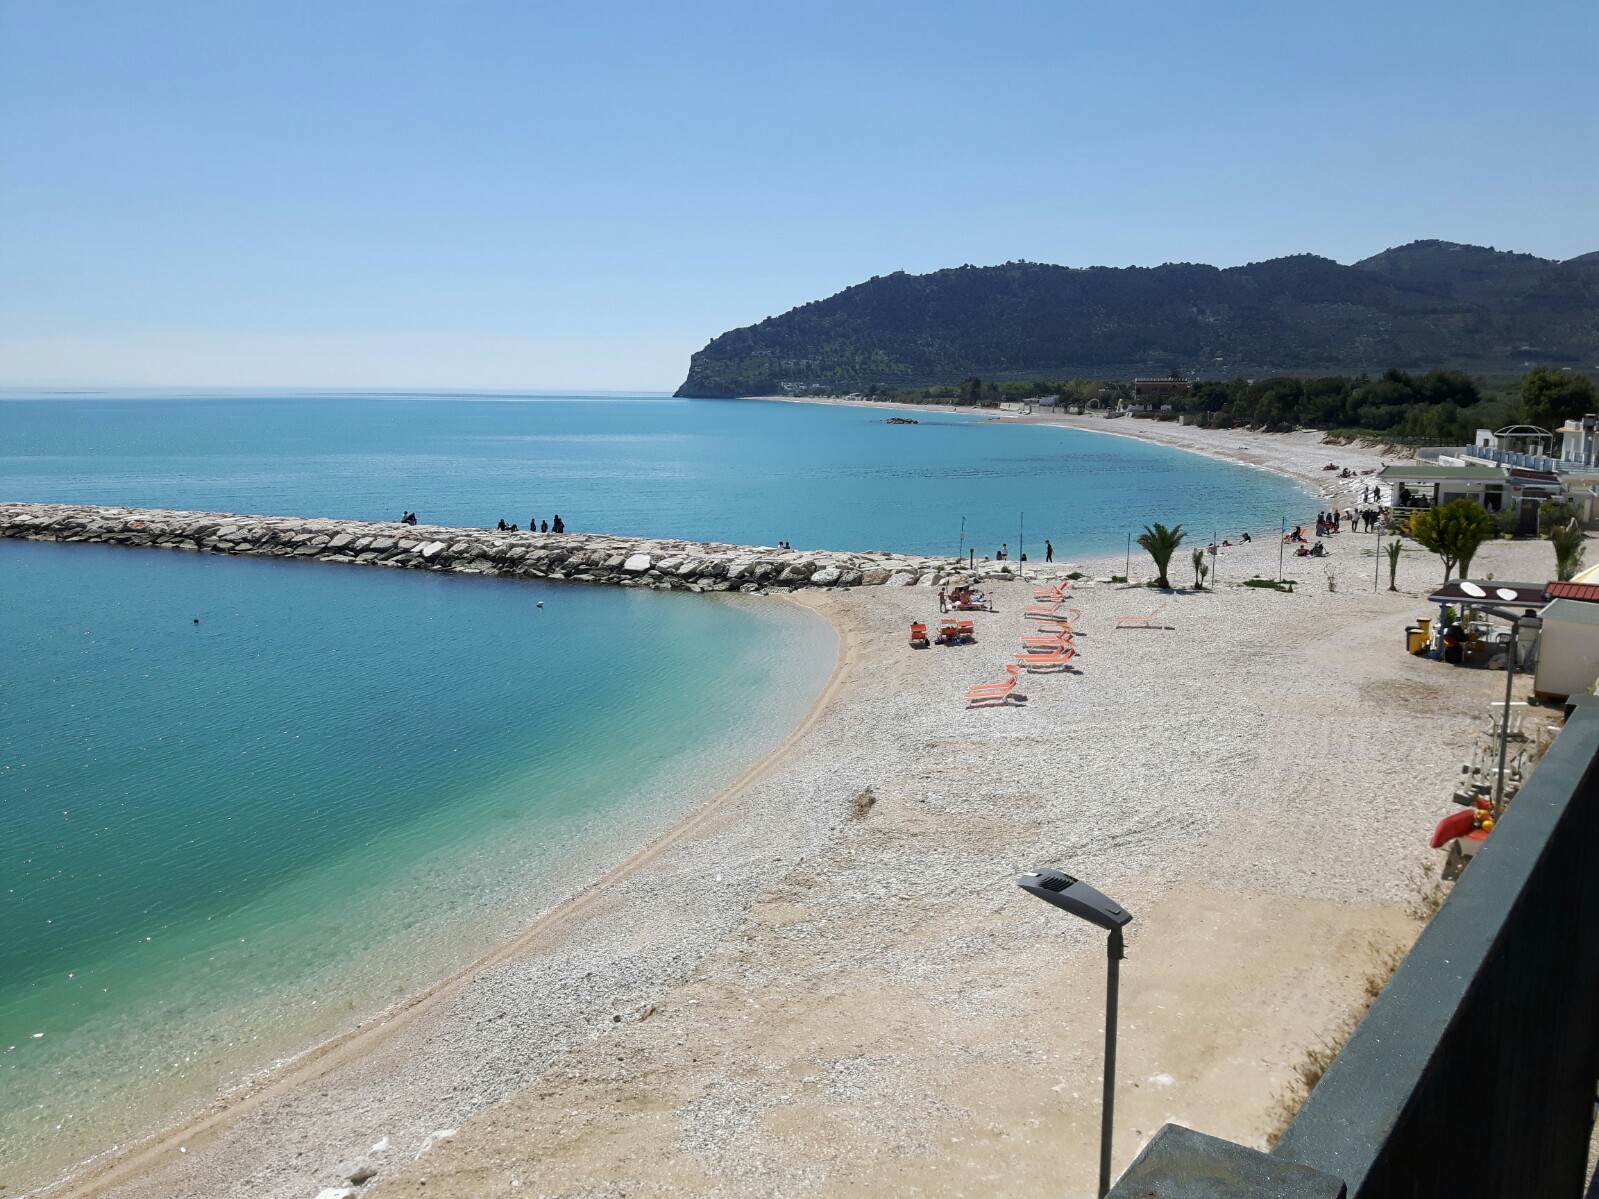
[[578, 195]]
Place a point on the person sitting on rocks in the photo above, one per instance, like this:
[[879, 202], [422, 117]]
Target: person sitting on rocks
[[544, 526]]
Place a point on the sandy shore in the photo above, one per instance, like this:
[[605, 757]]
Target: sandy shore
[[808, 992]]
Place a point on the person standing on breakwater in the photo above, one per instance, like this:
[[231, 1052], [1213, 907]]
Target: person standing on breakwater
[[1049, 552], [557, 525]]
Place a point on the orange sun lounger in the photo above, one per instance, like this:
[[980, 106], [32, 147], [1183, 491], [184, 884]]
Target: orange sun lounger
[[1146, 621], [1034, 644], [1057, 592], [1059, 658], [988, 693], [919, 634]]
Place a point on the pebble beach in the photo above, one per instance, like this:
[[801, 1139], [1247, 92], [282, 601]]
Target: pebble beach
[[826, 982]]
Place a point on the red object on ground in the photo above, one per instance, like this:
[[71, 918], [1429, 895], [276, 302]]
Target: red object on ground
[[1452, 826]]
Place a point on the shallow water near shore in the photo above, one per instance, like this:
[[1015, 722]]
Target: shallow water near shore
[[226, 841], [744, 471]]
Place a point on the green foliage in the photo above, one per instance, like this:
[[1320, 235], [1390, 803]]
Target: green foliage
[[1161, 543], [1201, 568], [1300, 315], [1569, 551], [1393, 550], [1507, 520], [1549, 398], [1552, 514], [1454, 531], [1425, 407]]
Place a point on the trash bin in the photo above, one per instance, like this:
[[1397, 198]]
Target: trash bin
[[1415, 640], [1424, 623]]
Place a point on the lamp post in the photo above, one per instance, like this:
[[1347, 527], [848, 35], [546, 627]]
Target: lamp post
[[1060, 889]]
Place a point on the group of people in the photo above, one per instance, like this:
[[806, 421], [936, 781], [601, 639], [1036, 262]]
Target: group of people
[[963, 595], [783, 545], [553, 525], [1002, 554], [535, 525]]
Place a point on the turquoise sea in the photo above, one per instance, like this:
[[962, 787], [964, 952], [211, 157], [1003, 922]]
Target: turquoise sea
[[744, 471], [221, 842]]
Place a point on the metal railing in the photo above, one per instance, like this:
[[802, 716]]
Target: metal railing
[[1473, 1074], [1510, 458]]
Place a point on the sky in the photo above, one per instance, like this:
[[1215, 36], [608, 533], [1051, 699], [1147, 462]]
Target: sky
[[537, 196]]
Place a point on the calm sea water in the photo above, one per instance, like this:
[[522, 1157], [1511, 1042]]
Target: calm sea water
[[744, 471], [222, 842]]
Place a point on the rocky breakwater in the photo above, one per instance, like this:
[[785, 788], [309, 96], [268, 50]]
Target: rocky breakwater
[[580, 557]]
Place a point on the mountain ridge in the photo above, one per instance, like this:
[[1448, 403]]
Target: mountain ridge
[[1424, 305]]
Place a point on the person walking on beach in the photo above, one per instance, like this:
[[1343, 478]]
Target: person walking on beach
[[943, 598], [1049, 552]]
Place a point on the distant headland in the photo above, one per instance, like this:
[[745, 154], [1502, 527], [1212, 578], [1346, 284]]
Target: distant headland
[[1426, 305]]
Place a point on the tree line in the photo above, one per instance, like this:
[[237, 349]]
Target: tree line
[[1440, 405]]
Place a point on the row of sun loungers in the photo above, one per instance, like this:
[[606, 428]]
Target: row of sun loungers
[[1051, 650]]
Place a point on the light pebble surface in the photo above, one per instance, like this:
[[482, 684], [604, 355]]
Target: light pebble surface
[[789, 999]]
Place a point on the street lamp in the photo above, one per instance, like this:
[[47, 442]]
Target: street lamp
[[1067, 893]]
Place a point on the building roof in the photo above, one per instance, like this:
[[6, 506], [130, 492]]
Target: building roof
[[1588, 592], [1491, 592], [1458, 474], [1534, 476]]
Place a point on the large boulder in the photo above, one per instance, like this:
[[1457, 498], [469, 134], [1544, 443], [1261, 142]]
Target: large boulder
[[636, 564], [826, 577]]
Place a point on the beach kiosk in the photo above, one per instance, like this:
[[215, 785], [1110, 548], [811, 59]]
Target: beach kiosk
[[1484, 643]]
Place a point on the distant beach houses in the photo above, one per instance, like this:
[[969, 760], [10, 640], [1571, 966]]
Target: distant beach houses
[[1515, 468]]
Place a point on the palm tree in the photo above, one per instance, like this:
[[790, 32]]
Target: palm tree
[[1569, 551], [1161, 543], [1201, 569]]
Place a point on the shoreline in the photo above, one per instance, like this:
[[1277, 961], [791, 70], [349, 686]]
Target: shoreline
[[1266, 452], [96, 1176]]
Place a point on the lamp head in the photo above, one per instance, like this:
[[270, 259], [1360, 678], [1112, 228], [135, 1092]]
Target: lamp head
[[1070, 895]]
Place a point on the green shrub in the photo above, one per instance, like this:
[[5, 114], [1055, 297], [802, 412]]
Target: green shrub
[[1552, 514]]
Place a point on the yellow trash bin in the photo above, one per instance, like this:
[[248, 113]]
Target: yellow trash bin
[[1424, 623], [1415, 640]]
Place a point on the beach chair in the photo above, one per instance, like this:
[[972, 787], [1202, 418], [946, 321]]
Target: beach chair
[[1069, 616], [1058, 592], [1146, 621], [1044, 644], [993, 693], [1057, 660], [919, 635]]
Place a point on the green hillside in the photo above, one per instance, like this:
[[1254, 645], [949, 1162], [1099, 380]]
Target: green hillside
[[1427, 305]]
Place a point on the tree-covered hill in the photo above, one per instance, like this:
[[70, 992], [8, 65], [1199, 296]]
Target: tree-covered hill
[[1427, 305]]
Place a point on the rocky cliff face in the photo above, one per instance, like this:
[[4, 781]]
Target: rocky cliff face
[[1425, 305]]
